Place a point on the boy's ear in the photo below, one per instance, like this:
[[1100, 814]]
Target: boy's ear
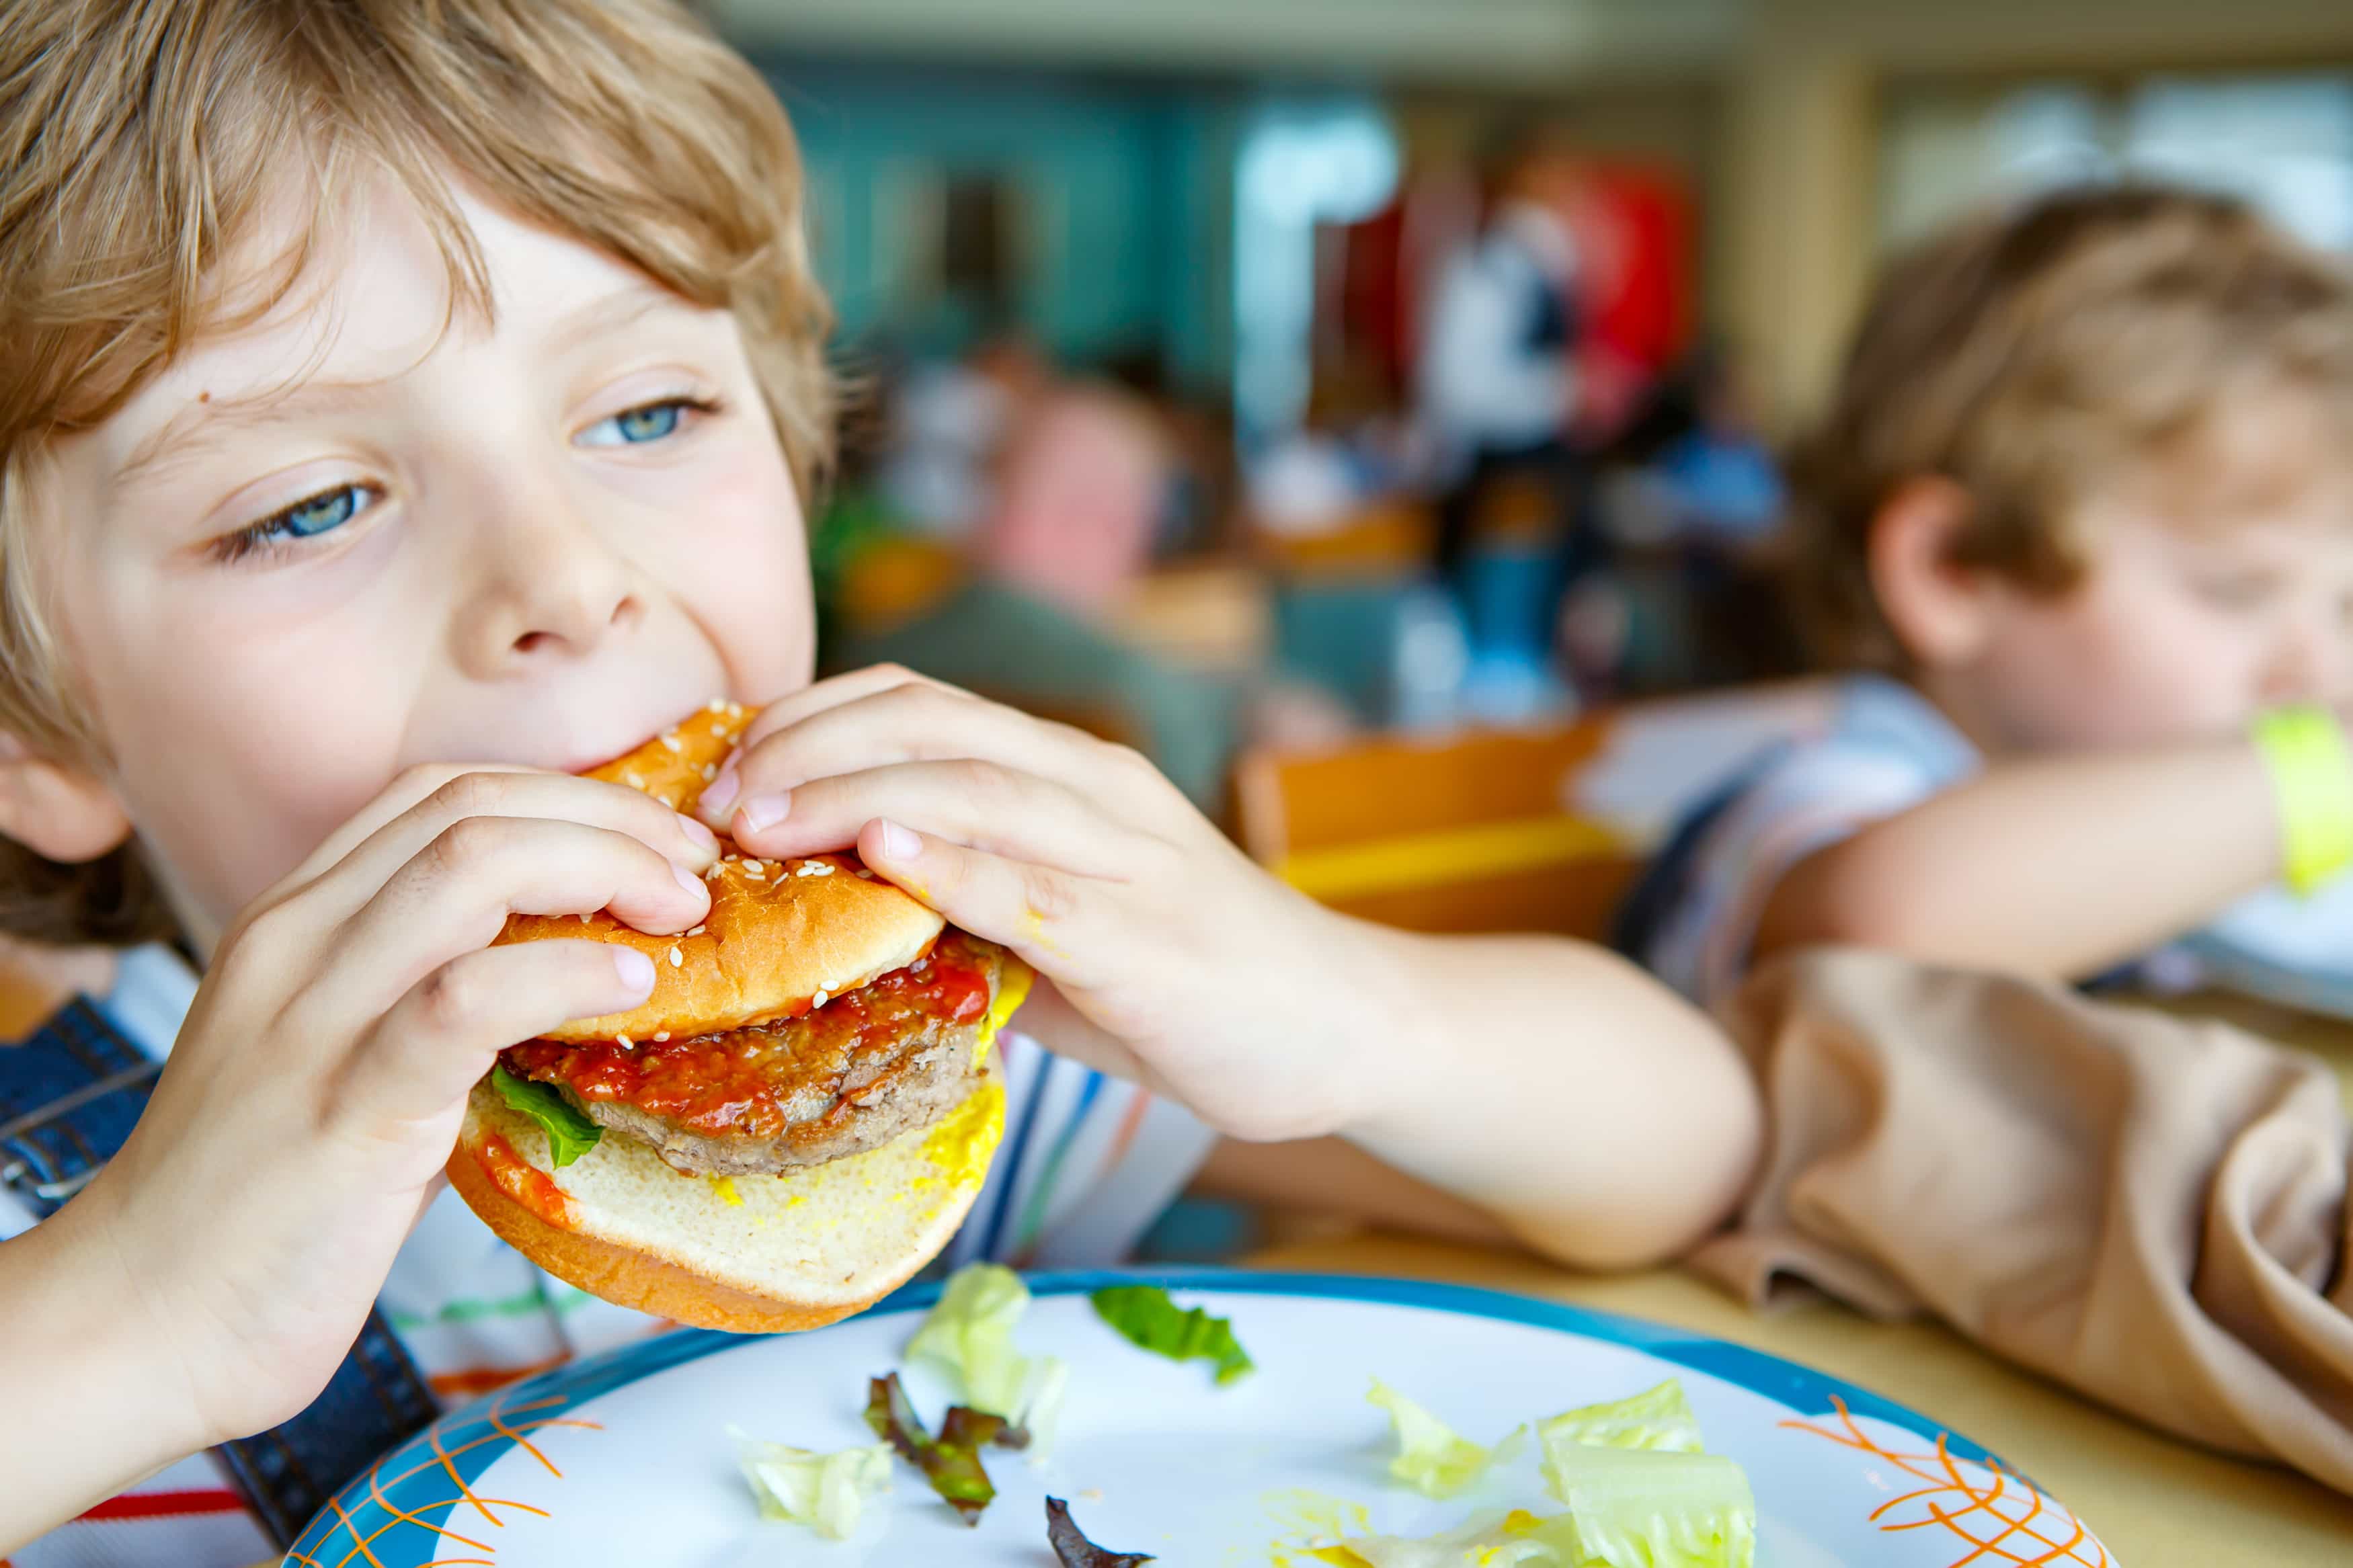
[[1937, 607], [60, 812]]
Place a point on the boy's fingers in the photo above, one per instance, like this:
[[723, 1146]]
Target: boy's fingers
[[1053, 919], [445, 1031], [832, 692], [985, 805], [456, 893], [401, 796], [493, 793], [901, 724]]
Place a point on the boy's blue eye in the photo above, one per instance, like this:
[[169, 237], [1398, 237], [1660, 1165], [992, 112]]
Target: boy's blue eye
[[319, 513], [306, 519], [637, 427]]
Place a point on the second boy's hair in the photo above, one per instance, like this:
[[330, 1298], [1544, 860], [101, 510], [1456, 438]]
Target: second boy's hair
[[2033, 358], [141, 144]]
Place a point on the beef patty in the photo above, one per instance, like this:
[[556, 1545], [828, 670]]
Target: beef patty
[[848, 1074]]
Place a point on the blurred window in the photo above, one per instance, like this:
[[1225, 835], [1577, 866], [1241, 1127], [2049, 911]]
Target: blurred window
[[2284, 142]]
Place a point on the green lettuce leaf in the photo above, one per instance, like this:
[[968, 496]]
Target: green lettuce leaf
[[968, 1337], [1647, 1508], [569, 1133], [1431, 1457], [1657, 1419], [823, 1491], [1149, 1320]]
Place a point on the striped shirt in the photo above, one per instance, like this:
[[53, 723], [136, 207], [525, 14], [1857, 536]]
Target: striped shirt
[[1087, 1165]]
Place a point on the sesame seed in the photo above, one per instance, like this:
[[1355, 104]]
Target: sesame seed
[[673, 742], [630, 777], [865, 875], [709, 771], [713, 875], [717, 705], [584, 917], [677, 958], [734, 711], [696, 931], [660, 1037], [625, 1043], [820, 1000]]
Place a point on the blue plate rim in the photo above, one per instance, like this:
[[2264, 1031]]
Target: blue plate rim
[[372, 1510]]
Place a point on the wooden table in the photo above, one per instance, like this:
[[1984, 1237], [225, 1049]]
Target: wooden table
[[2156, 1502]]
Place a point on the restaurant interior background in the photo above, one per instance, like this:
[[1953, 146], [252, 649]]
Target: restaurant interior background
[[1164, 331]]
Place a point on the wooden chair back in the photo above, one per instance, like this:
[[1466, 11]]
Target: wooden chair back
[[1542, 829]]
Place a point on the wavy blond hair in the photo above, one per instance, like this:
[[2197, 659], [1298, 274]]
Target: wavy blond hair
[[2036, 355], [139, 145]]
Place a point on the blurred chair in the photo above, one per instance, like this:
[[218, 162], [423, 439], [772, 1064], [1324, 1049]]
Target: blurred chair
[[1542, 829], [1463, 834], [1338, 595]]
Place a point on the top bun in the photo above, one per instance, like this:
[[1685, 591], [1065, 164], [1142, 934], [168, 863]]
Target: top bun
[[780, 935]]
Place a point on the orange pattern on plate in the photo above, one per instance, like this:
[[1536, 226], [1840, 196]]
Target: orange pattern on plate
[[2004, 1520], [499, 1423]]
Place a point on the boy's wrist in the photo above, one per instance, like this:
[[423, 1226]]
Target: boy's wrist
[[117, 1405]]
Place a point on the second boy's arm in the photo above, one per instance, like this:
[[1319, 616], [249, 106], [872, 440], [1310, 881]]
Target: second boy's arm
[[2061, 867]]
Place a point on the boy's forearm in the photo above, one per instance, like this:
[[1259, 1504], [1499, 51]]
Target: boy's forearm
[[93, 1405], [1600, 1119], [2062, 867]]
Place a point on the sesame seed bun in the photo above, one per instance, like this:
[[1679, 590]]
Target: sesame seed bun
[[744, 1254], [779, 934], [751, 1253]]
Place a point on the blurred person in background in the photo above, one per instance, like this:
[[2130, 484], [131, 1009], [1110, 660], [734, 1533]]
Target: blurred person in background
[[2079, 525], [1075, 506], [944, 422], [1691, 502], [1502, 393]]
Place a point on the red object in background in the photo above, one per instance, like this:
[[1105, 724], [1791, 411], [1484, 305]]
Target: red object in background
[[1634, 224], [1376, 305]]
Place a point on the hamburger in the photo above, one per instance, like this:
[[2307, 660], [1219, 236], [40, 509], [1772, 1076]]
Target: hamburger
[[792, 1122]]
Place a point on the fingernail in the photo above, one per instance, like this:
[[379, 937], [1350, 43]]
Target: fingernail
[[637, 970], [763, 811], [688, 879], [702, 838], [899, 843], [719, 792]]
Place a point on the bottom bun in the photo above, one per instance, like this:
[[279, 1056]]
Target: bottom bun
[[747, 1254]]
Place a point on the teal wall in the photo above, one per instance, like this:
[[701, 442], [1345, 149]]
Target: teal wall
[[1126, 197]]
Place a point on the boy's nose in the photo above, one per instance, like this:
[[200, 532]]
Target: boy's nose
[[556, 587], [2314, 662]]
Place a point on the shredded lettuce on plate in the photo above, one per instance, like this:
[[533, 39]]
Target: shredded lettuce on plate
[[1657, 1418], [1648, 1508], [823, 1491], [968, 1337], [1432, 1457], [570, 1134], [1513, 1540]]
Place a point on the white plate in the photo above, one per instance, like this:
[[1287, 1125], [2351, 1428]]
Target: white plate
[[625, 1459]]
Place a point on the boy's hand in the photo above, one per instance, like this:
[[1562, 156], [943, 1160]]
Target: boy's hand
[[1204, 978], [318, 1085]]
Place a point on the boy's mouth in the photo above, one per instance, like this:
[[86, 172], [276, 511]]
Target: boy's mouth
[[624, 741]]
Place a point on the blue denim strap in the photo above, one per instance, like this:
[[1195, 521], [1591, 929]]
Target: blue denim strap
[[70, 1095]]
